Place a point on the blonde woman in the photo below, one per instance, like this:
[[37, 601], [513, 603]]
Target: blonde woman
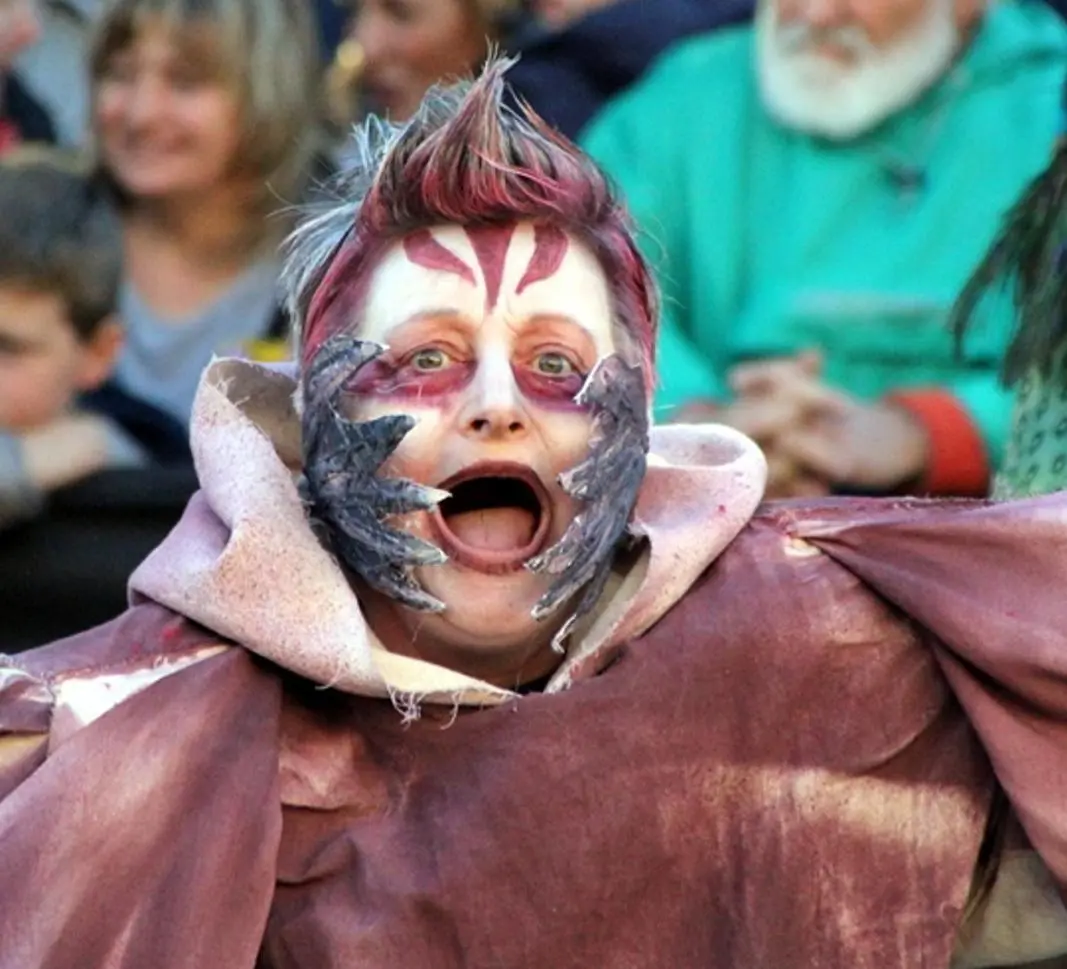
[[202, 112], [399, 48]]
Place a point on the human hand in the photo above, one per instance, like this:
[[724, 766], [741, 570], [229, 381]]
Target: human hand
[[70, 448], [769, 406], [858, 445], [817, 438]]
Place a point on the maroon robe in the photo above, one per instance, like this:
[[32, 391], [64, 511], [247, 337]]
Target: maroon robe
[[791, 768]]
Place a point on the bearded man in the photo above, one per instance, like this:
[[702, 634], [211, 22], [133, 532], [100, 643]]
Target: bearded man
[[815, 190], [454, 663]]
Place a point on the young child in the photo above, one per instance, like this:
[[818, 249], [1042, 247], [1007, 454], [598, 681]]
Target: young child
[[60, 264]]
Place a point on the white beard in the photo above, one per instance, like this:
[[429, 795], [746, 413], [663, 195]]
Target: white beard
[[806, 90]]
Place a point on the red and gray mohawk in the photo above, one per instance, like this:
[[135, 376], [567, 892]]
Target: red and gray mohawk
[[466, 159]]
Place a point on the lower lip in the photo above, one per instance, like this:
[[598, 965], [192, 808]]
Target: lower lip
[[489, 562]]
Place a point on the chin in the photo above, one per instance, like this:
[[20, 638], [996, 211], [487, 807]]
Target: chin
[[485, 613]]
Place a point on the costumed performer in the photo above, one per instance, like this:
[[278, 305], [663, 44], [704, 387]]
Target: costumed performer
[[455, 662]]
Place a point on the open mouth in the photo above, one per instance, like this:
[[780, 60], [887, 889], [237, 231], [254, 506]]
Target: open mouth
[[496, 518]]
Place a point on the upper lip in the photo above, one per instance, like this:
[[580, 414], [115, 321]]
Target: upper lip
[[486, 560]]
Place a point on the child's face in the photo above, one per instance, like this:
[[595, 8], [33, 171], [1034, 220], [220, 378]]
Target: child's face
[[43, 363]]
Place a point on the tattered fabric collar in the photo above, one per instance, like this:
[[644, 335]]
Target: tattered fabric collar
[[245, 563]]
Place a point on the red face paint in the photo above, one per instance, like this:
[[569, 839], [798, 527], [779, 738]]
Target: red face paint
[[424, 250], [555, 393], [550, 248], [490, 244], [391, 379]]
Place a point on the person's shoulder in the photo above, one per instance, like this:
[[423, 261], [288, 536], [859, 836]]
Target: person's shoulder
[[693, 68], [1017, 35], [146, 635], [63, 687], [697, 81]]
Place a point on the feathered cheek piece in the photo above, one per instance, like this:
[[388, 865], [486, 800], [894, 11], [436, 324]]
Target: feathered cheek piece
[[350, 502]]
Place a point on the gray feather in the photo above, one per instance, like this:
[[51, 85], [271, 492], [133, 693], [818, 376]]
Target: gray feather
[[345, 495], [608, 481]]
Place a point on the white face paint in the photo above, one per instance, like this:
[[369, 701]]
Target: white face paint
[[843, 97], [490, 337]]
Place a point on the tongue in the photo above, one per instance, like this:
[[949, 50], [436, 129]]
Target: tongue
[[494, 529]]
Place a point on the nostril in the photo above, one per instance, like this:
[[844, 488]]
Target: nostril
[[479, 424], [515, 426]]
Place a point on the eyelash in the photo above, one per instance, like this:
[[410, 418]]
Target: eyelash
[[575, 366], [453, 356]]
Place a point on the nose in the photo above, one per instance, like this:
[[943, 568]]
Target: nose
[[822, 14], [495, 411], [144, 104]]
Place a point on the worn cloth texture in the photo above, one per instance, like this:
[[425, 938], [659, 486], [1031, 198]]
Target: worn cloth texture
[[755, 228], [785, 760]]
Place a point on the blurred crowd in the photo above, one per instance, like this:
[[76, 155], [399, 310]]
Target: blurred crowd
[[814, 181]]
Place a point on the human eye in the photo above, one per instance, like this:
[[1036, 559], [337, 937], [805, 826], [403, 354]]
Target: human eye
[[428, 359], [552, 363]]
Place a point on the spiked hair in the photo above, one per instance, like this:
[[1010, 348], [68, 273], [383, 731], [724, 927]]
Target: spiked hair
[[464, 159]]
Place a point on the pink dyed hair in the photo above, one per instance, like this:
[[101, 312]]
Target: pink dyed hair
[[465, 159]]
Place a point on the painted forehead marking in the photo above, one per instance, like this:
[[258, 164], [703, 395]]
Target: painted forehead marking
[[490, 245], [424, 250], [550, 246]]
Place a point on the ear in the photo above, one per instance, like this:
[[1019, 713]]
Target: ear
[[968, 13], [99, 354]]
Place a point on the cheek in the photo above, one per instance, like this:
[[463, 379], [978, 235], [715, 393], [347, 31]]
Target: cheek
[[110, 108], [553, 393], [214, 122], [885, 23], [566, 436], [417, 455], [32, 392], [446, 45]]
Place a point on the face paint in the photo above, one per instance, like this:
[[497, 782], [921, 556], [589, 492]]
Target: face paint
[[550, 246], [490, 244], [491, 336]]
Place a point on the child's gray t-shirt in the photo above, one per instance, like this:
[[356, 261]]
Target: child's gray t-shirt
[[163, 358]]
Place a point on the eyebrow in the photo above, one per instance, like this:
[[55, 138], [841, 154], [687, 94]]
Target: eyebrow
[[582, 334], [445, 317]]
